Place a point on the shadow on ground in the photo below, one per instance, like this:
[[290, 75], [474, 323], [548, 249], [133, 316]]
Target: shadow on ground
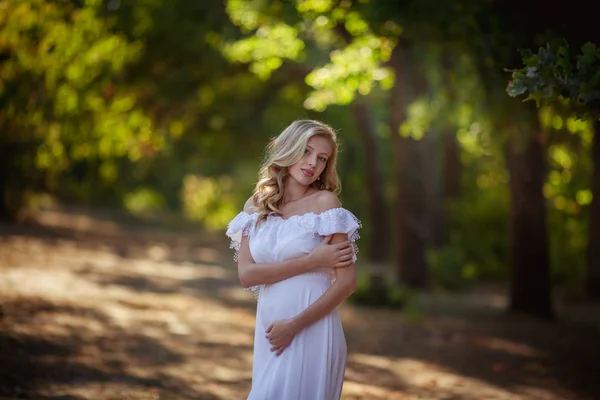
[[33, 360], [131, 313]]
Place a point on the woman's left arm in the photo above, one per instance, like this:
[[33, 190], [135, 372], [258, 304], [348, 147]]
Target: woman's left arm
[[281, 332]]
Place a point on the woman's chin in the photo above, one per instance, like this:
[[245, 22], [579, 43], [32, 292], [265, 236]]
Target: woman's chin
[[308, 181]]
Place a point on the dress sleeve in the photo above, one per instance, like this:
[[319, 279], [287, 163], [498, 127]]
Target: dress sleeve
[[339, 220], [241, 225]]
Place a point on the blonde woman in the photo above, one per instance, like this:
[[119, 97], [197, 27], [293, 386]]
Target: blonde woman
[[295, 249]]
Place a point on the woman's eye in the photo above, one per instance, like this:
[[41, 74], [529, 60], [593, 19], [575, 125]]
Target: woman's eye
[[323, 159], [306, 151]]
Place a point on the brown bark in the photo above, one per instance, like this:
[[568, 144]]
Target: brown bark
[[452, 166], [417, 228], [448, 188], [448, 185], [378, 235], [398, 101], [593, 251], [443, 183], [12, 180], [432, 176], [4, 170], [409, 220], [530, 291]]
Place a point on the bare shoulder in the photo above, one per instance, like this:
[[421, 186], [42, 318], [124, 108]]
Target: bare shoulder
[[326, 200], [249, 206]]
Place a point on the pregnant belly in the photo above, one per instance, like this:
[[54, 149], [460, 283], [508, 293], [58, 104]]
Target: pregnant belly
[[288, 298]]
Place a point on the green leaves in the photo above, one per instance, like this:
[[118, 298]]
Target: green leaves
[[246, 13], [266, 50], [354, 68], [71, 114], [551, 74], [355, 61]]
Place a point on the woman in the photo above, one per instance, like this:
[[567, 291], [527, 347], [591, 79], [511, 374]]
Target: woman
[[295, 249]]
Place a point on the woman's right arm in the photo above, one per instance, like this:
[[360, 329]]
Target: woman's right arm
[[324, 255]]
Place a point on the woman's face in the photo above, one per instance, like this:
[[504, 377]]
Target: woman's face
[[309, 168]]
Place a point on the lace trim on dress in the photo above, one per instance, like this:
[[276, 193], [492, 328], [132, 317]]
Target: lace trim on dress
[[340, 220], [241, 225]]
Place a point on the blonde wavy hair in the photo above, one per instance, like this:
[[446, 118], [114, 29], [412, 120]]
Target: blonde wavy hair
[[285, 150]]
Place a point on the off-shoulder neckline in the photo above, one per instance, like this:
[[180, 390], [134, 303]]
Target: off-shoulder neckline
[[296, 216]]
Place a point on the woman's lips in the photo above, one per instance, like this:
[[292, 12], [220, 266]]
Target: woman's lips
[[307, 173]]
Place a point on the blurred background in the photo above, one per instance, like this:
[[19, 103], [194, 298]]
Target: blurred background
[[131, 133]]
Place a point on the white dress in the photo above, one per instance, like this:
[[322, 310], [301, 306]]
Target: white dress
[[312, 367]]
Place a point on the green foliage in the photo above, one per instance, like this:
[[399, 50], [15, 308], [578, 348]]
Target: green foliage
[[552, 74], [209, 200], [355, 68], [450, 269], [143, 200], [356, 62], [266, 51], [62, 63], [154, 105], [379, 291], [567, 190], [104, 97], [478, 245], [59, 75]]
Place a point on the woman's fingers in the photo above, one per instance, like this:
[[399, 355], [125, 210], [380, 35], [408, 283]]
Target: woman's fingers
[[326, 239], [346, 257], [343, 264], [280, 350], [277, 349], [344, 252], [342, 245]]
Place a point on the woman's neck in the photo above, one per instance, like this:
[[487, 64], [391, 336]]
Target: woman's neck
[[294, 191]]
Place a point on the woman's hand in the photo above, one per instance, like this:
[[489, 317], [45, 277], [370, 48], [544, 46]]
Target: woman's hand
[[337, 255], [280, 334]]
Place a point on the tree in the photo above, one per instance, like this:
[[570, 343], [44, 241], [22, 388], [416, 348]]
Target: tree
[[100, 96], [60, 68], [552, 76]]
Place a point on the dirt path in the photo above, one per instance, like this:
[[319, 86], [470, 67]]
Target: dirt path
[[92, 310]]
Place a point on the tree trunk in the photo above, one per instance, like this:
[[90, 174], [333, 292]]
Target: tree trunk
[[17, 176], [444, 184], [417, 228], [530, 291], [432, 176], [378, 232], [4, 171], [449, 188], [409, 224], [398, 102], [452, 166], [593, 252]]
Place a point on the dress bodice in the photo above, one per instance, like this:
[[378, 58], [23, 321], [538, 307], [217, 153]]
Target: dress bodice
[[276, 239]]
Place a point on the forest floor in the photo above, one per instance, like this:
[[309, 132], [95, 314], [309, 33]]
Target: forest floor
[[91, 308]]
